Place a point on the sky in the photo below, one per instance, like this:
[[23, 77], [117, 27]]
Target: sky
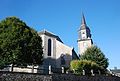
[[63, 18]]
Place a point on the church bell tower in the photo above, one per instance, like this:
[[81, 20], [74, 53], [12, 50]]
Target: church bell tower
[[84, 37]]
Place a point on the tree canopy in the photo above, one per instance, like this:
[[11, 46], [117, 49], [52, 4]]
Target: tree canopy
[[94, 54], [19, 44], [92, 59]]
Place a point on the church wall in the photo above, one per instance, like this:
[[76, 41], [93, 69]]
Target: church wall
[[83, 45], [43, 42], [66, 51], [58, 49], [45, 46], [48, 60]]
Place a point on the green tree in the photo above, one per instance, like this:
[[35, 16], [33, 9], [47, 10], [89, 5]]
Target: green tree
[[19, 44], [77, 66], [94, 54]]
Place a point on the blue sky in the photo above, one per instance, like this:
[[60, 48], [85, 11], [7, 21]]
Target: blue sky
[[63, 18]]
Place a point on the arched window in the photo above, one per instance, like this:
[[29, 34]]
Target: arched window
[[49, 47], [62, 59]]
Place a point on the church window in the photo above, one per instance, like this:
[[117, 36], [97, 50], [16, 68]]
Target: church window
[[62, 59], [83, 33], [49, 47]]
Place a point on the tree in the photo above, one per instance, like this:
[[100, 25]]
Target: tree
[[19, 44], [94, 54], [77, 66]]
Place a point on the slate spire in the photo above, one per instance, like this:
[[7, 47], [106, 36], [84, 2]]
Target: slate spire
[[83, 22]]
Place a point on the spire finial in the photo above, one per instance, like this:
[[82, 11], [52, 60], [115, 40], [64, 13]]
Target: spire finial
[[83, 22]]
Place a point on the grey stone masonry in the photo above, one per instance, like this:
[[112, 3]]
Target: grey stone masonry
[[65, 77], [10, 76]]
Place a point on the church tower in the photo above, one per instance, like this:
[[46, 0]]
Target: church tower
[[84, 37]]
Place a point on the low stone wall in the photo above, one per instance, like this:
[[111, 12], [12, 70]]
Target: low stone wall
[[9, 76], [64, 77]]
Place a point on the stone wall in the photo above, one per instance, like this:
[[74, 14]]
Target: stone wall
[[65, 77], [9, 76]]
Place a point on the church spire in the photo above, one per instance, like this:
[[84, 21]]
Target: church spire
[[83, 22], [84, 36], [84, 31]]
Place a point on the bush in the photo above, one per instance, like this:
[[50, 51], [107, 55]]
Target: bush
[[77, 66]]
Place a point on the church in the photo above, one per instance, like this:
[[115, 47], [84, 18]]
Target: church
[[57, 54]]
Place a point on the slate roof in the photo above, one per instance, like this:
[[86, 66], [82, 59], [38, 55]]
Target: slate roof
[[45, 32], [83, 23]]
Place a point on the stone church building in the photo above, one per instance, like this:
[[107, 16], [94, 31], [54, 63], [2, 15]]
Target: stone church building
[[56, 53]]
